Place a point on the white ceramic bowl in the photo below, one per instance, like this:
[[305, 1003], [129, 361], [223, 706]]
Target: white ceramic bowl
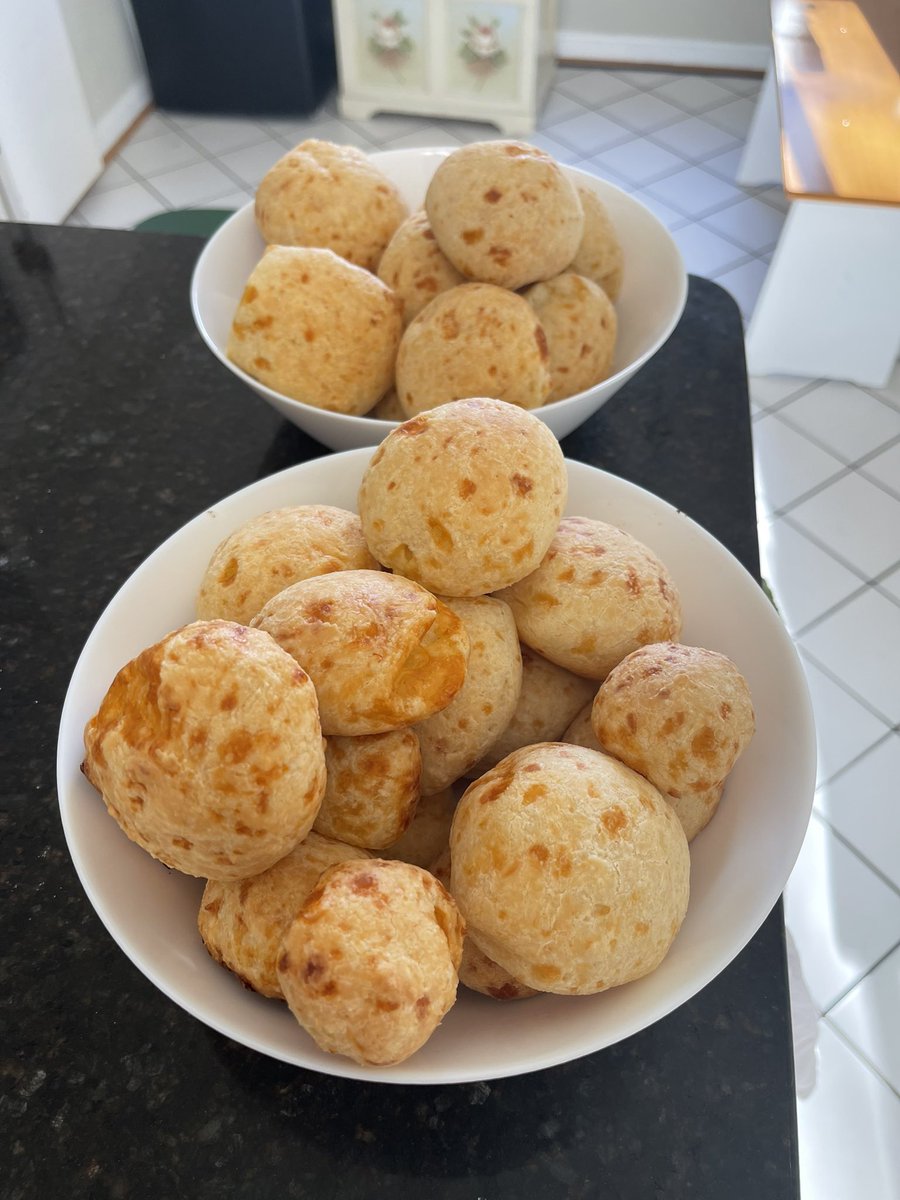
[[740, 862], [651, 302]]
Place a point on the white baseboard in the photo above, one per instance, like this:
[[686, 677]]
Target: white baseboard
[[661, 51], [116, 120]]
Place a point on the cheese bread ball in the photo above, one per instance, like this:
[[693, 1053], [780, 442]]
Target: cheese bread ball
[[504, 212], [681, 715], [334, 197], [599, 255], [695, 810], [372, 787], [207, 750], [580, 324], [389, 407], [549, 699], [428, 833], [369, 965], [269, 552], [415, 268], [476, 971], [242, 922], [464, 499], [381, 650], [474, 340], [598, 594], [456, 737], [317, 329], [571, 870], [581, 731]]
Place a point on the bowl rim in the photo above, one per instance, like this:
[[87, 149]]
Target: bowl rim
[[366, 423]]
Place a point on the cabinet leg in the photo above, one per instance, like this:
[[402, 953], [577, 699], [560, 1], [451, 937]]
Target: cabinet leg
[[830, 303], [513, 127]]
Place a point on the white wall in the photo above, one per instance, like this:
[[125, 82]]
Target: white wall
[[48, 152], [701, 33], [108, 55]]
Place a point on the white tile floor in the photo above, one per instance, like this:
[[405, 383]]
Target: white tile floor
[[828, 473]]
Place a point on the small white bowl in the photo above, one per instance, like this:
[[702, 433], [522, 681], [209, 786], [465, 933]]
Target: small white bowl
[[739, 863], [651, 302]]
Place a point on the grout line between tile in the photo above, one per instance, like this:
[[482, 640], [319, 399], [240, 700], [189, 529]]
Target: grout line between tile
[[854, 849], [627, 136], [878, 582], [883, 574], [854, 463], [708, 212], [890, 401], [215, 160], [859, 1055], [894, 493], [845, 687], [747, 257], [260, 135], [867, 585], [885, 737], [787, 508], [865, 579], [800, 390], [148, 186]]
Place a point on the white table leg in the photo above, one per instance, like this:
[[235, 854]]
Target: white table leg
[[761, 161], [830, 303]]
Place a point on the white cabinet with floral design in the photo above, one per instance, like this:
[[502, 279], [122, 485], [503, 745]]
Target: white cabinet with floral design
[[491, 61]]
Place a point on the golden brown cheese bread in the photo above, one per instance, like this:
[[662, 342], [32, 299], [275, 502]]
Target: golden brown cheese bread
[[597, 595], [207, 750], [269, 552], [681, 715], [580, 325], [388, 407], [599, 255], [571, 870], [414, 267], [330, 196], [476, 971], [504, 212], [581, 731], [317, 329], [474, 340], [456, 737], [242, 922], [372, 787], [429, 831], [381, 650], [369, 965], [549, 698], [465, 498]]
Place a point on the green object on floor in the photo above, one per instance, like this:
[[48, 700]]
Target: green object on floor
[[198, 222]]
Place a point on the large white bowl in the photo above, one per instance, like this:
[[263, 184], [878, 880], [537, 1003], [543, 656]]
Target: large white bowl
[[740, 862], [651, 302]]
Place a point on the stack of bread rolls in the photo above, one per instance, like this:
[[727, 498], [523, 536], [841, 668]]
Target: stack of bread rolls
[[450, 737], [503, 285]]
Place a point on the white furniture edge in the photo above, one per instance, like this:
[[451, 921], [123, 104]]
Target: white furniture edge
[[126, 109], [662, 51], [829, 307], [761, 160]]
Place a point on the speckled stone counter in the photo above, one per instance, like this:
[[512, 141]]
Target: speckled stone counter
[[117, 427]]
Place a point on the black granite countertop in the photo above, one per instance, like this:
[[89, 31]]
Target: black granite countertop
[[117, 427]]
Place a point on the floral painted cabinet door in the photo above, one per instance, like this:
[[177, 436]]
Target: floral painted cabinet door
[[490, 61]]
